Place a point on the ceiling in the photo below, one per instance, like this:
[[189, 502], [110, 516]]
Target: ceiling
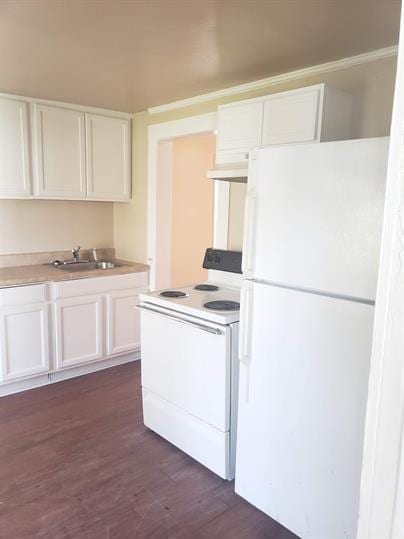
[[132, 54]]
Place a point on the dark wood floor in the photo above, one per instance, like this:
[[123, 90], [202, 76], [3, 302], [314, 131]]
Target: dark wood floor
[[77, 462]]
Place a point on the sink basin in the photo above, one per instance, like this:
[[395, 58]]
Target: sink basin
[[105, 264], [88, 266]]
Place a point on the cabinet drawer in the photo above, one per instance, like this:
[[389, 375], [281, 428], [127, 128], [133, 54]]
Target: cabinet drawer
[[98, 285], [23, 295]]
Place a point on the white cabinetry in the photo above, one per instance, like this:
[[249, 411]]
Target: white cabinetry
[[239, 126], [312, 114], [77, 153], [291, 118], [95, 319], [108, 157], [123, 322], [59, 152], [94, 325], [24, 334], [78, 330], [15, 165]]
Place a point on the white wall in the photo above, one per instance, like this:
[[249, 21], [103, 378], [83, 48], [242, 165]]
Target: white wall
[[371, 84], [163, 214], [29, 226]]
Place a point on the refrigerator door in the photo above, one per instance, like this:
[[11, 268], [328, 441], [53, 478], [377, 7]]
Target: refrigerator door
[[304, 365], [314, 215]]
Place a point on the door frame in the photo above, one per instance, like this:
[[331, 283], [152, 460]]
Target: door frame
[[381, 511], [165, 132]]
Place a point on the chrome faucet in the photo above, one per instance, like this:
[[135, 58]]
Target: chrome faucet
[[76, 254], [75, 260]]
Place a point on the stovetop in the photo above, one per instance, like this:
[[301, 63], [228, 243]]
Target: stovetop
[[191, 300]]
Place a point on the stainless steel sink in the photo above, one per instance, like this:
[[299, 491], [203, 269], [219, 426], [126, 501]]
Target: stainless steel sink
[[104, 264], [88, 266]]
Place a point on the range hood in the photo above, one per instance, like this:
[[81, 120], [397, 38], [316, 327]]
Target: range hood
[[230, 172]]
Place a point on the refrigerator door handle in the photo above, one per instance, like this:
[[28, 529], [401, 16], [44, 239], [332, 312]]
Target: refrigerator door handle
[[248, 247], [250, 217], [245, 339]]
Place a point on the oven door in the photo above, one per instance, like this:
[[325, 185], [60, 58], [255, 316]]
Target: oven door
[[186, 361]]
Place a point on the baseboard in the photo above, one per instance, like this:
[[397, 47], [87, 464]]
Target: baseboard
[[72, 372], [24, 385]]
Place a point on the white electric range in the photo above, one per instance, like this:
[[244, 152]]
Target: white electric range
[[189, 343]]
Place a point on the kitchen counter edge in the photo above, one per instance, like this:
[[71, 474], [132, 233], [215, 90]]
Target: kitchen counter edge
[[43, 273]]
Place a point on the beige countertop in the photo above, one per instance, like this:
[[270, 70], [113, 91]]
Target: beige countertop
[[40, 273]]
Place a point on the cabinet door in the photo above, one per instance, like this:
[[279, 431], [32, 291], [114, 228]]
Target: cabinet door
[[78, 330], [239, 126], [24, 349], [15, 173], [108, 157], [123, 321], [59, 152], [291, 118]]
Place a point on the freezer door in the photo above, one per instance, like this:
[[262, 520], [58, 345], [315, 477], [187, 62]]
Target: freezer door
[[314, 215], [303, 387]]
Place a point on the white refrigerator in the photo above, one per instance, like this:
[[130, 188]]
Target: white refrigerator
[[310, 262]]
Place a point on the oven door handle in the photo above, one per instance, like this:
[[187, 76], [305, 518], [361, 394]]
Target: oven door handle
[[208, 329]]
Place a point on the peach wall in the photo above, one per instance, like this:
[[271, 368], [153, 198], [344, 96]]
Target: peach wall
[[192, 208]]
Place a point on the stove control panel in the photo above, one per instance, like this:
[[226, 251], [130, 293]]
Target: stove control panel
[[219, 259]]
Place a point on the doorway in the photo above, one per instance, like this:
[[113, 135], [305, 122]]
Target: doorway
[[182, 202], [191, 208], [185, 202], [196, 227]]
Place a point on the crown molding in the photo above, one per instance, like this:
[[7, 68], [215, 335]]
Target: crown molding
[[64, 105], [318, 69]]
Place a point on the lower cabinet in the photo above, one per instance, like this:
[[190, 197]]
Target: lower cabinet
[[92, 320], [78, 324], [96, 319], [123, 322], [95, 327], [24, 338]]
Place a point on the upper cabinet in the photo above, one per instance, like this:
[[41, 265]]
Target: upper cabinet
[[312, 114], [108, 157], [59, 152], [15, 165], [239, 126], [78, 153], [291, 118]]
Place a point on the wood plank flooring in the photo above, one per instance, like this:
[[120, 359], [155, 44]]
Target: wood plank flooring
[[77, 462]]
